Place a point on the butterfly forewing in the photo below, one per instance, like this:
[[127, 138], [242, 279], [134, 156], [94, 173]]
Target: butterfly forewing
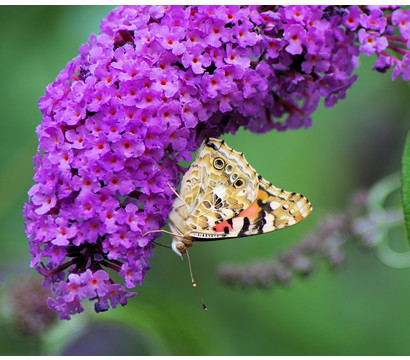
[[210, 187]]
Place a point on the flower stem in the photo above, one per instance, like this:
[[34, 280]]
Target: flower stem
[[111, 266], [395, 38], [397, 49], [385, 53]]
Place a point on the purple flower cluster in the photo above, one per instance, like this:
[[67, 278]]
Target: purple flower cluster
[[145, 92]]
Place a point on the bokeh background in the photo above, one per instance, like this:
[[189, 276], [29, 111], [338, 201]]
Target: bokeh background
[[362, 308]]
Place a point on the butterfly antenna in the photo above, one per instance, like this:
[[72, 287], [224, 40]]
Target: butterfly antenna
[[176, 193], [194, 283]]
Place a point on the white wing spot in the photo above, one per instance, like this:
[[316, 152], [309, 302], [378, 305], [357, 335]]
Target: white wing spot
[[274, 205]]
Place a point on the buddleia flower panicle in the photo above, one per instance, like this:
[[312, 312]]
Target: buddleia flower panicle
[[25, 303], [146, 91]]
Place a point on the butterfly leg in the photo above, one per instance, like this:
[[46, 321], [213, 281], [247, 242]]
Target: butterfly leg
[[176, 193], [164, 245]]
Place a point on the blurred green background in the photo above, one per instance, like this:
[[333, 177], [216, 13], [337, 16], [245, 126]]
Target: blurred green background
[[361, 309]]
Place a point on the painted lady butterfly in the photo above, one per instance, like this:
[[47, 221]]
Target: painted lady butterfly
[[222, 196]]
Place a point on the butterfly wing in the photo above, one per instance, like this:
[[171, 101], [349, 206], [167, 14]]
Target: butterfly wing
[[218, 186], [222, 196], [272, 210]]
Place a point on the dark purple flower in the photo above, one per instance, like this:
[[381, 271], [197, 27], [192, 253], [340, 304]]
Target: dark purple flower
[[401, 19], [374, 21], [351, 18], [372, 42], [295, 35], [196, 59]]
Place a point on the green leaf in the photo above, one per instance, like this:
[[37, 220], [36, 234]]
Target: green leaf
[[405, 184]]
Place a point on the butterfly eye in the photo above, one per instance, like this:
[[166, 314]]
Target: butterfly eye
[[238, 183], [219, 163], [180, 246], [228, 168]]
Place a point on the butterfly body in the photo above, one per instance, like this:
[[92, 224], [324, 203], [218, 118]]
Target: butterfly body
[[222, 196]]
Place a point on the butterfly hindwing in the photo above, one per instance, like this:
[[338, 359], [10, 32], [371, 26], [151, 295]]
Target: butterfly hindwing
[[273, 209]]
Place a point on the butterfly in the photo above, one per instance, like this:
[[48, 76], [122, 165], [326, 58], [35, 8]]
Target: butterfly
[[222, 197]]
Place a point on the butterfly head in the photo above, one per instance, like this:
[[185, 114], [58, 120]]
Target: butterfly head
[[179, 248]]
